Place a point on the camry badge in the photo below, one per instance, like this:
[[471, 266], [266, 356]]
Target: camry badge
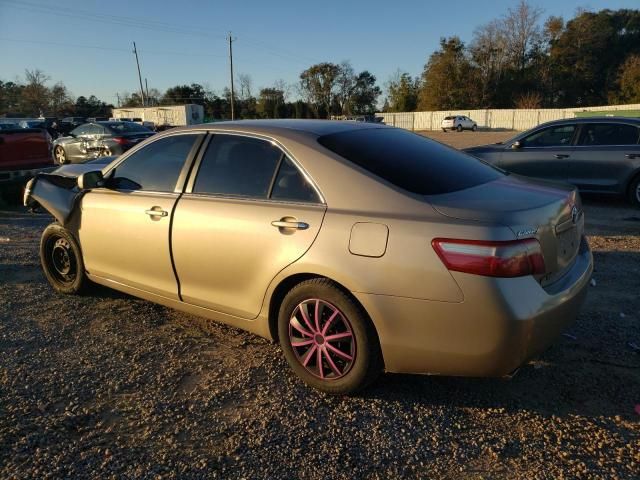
[[527, 232]]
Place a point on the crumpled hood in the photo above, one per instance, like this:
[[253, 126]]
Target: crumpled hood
[[76, 169]]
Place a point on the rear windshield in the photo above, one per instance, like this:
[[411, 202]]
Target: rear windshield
[[449, 118], [410, 161]]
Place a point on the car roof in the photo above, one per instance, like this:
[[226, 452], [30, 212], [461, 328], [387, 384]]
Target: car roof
[[282, 126], [600, 119]]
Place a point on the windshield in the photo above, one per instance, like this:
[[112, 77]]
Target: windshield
[[126, 127], [410, 161]]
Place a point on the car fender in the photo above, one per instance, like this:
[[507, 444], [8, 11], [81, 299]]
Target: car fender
[[57, 192]]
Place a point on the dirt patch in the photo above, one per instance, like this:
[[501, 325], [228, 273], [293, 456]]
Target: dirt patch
[[466, 138]]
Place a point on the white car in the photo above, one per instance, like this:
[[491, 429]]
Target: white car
[[459, 123]]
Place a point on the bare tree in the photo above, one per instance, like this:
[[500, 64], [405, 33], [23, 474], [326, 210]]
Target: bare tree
[[284, 87], [521, 30], [245, 83], [529, 100], [489, 54], [345, 83], [35, 95]]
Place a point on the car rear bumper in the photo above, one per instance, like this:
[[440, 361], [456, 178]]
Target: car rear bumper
[[502, 323]]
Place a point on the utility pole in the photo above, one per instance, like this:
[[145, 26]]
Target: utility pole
[[233, 116], [135, 52], [146, 87], [118, 95]]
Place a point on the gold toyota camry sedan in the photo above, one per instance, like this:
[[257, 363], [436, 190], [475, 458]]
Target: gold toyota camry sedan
[[358, 247]]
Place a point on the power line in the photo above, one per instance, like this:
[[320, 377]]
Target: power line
[[150, 25], [114, 49]]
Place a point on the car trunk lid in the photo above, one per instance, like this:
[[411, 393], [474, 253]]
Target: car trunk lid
[[548, 212]]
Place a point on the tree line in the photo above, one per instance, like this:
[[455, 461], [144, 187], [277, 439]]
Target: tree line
[[518, 60], [521, 61]]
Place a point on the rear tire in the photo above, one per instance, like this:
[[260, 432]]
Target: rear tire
[[444, 130], [634, 191], [327, 338], [459, 128], [474, 128], [61, 260]]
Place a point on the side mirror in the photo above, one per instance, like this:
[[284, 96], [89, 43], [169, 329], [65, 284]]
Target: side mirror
[[516, 145], [90, 180]]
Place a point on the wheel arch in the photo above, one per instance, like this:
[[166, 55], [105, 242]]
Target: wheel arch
[[286, 284], [635, 175]]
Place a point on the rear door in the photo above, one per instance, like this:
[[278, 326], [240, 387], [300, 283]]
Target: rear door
[[542, 154], [124, 229], [604, 157], [247, 213]]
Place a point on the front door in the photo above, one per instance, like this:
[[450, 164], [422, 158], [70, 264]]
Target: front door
[[543, 154], [124, 231], [247, 214]]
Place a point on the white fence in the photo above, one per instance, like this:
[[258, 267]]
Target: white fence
[[511, 119]]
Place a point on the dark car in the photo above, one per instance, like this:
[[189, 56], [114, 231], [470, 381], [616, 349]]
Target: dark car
[[98, 139], [598, 154]]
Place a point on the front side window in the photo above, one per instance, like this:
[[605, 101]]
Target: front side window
[[608, 134], [237, 166], [550, 137], [155, 167]]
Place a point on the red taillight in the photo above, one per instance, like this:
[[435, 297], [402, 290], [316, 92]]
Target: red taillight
[[120, 140], [493, 259]]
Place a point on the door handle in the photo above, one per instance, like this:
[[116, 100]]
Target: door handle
[[290, 224], [558, 155], [632, 155], [156, 213]]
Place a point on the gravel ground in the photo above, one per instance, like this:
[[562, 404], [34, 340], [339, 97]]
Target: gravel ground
[[109, 386], [466, 138]]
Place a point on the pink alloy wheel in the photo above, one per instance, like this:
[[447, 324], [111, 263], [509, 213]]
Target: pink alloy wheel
[[322, 339]]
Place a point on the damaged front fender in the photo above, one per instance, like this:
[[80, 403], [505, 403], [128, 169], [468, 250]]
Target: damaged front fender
[[57, 192], [54, 193]]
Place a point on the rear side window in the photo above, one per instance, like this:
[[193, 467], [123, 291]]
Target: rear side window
[[410, 161], [550, 137], [239, 166], [608, 134], [155, 167], [291, 185]]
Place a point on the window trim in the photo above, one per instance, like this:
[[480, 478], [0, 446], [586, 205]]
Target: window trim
[[108, 171], [284, 152]]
